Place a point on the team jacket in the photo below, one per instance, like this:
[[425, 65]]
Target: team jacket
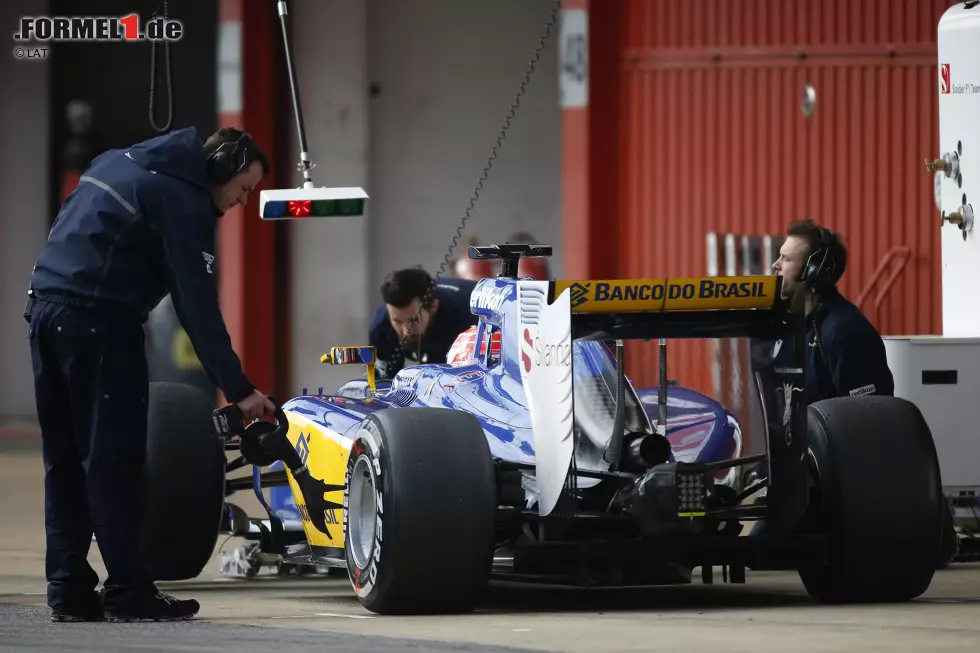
[[845, 353], [452, 319], [140, 224]]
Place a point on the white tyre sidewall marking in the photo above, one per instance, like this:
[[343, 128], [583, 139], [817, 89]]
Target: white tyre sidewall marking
[[370, 574]]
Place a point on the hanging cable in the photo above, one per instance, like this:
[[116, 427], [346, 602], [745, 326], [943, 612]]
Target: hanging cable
[[535, 56], [153, 74]]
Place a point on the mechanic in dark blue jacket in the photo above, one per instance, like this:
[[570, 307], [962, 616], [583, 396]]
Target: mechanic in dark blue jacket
[[141, 223], [845, 353], [402, 335]]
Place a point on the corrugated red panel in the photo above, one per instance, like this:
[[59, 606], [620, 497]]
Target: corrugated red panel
[[720, 144], [702, 24]]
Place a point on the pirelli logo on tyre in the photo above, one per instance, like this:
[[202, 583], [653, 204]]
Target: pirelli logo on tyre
[[670, 294]]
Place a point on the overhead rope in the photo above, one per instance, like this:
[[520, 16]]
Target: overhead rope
[[532, 64], [153, 73]]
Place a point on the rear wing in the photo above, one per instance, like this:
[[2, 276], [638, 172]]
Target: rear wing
[[552, 314], [676, 307]]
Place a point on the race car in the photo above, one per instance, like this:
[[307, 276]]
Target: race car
[[529, 456]]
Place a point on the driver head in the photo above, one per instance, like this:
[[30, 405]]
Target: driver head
[[473, 269], [535, 268], [403, 292]]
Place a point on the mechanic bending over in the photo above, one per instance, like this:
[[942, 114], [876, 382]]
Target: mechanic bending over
[[846, 355], [140, 223], [399, 332]]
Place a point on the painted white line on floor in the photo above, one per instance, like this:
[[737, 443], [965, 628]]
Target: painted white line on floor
[[296, 616], [328, 614], [345, 616]]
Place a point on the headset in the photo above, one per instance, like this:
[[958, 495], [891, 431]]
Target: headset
[[228, 159], [818, 272]]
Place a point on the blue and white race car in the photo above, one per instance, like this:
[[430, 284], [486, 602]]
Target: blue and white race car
[[529, 456]]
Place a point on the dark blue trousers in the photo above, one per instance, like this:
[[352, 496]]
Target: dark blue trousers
[[91, 386]]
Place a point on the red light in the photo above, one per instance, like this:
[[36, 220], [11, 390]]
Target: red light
[[299, 208]]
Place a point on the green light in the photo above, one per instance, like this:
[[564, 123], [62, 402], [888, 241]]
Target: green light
[[333, 208], [324, 208], [351, 207]]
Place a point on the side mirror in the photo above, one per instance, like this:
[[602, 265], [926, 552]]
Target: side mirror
[[353, 356]]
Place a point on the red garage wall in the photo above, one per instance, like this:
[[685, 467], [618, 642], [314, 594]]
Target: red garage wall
[[712, 139], [250, 251]]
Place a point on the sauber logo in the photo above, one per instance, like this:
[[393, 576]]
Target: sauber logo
[[947, 87], [525, 355], [578, 293]]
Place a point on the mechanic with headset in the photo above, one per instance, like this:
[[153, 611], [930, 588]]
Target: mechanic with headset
[[845, 353], [140, 223], [403, 334]]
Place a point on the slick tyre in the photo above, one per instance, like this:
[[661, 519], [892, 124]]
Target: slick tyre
[[184, 483], [951, 546], [419, 509], [880, 500]]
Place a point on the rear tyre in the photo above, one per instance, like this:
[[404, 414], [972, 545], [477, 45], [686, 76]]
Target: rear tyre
[[185, 482], [880, 500], [419, 509], [951, 546]]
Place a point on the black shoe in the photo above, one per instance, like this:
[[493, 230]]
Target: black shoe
[[161, 607], [62, 616], [82, 612]]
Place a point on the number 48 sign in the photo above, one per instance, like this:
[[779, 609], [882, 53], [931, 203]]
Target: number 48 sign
[[573, 59]]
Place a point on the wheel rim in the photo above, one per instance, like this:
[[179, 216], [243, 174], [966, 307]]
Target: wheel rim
[[364, 511]]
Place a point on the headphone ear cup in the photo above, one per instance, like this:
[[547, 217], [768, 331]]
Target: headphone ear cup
[[813, 270], [219, 165], [819, 270], [821, 265]]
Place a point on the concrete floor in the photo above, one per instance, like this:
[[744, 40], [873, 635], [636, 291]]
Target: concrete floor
[[770, 612]]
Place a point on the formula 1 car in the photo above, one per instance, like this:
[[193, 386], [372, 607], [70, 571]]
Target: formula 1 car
[[529, 456]]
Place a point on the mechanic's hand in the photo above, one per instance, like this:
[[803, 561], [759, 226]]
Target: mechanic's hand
[[256, 406]]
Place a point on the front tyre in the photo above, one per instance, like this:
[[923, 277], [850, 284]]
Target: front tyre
[[419, 509], [185, 482]]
